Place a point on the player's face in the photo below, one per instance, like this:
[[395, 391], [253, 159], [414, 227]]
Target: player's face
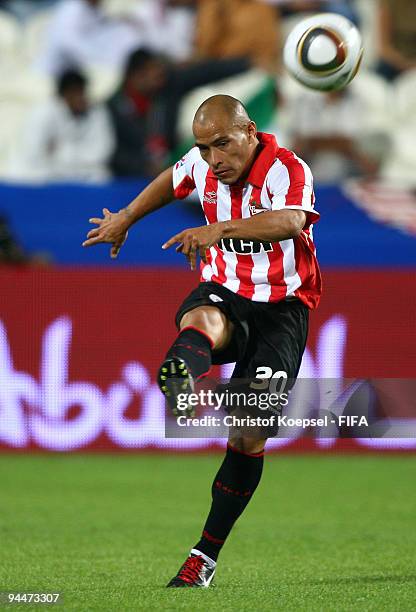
[[228, 150]]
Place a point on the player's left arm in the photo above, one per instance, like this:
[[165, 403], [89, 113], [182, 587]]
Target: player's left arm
[[270, 226]]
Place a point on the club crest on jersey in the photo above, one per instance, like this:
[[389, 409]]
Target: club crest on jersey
[[255, 207], [210, 197]]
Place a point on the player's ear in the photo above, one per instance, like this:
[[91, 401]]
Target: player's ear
[[252, 130]]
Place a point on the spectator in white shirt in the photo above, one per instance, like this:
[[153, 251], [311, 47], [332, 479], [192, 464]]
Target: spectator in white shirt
[[168, 26], [81, 34], [329, 131], [66, 138]]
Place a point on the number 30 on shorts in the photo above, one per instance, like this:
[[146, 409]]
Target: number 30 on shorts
[[269, 379]]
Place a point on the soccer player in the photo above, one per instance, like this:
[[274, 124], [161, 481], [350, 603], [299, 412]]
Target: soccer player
[[260, 278]]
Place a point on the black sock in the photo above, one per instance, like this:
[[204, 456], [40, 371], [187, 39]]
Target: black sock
[[232, 489], [194, 347]]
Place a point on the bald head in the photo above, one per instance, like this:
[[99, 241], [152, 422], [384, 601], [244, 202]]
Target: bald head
[[226, 137], [221, 109]]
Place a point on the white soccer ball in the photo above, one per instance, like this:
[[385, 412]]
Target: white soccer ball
[[323, 52]]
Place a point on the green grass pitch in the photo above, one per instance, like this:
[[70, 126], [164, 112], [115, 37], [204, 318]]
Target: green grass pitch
[[323, 533]]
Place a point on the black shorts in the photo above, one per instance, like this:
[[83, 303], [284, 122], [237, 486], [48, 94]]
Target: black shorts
[[271, 334], [266, 335]]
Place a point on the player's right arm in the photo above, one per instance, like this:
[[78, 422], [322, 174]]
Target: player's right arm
[[113, 227]]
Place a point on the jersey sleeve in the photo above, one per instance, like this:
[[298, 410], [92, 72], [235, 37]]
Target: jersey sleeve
[[290, 187], [183, 174]]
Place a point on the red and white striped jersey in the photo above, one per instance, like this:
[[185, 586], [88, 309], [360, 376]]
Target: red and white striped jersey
[[260, 271]]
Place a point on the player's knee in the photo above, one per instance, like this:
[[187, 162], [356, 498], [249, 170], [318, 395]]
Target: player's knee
[[211, 321], [248, 445]]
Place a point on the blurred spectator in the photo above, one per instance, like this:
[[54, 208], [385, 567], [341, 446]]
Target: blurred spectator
[[329, 132], [397, 19], [294, 7], [238, 28], [10, 251], [145, 107], [168, 26], [66, 138], [81, 34]]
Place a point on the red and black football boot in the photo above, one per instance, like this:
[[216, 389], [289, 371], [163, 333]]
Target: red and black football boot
[[197, 571]]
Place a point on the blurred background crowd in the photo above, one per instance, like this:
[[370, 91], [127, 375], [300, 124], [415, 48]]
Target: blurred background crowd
[[95, 89], [98, 90]]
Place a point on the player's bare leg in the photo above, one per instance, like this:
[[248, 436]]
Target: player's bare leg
[[203, 330], [212, 321]]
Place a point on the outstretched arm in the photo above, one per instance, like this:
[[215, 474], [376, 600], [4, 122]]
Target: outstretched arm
[[113, 227]]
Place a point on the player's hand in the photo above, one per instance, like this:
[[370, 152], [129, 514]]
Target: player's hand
[[111, 229], [195, 239]]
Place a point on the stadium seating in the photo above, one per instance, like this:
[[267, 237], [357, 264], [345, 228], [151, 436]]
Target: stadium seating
[[10, 131], [376, 93], [34, 34], [9, 35], [103, 82], [369, 29], [400, 164], [405, 96], [117, 7]]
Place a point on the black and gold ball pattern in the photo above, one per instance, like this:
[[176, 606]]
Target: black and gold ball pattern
[[307, 41]]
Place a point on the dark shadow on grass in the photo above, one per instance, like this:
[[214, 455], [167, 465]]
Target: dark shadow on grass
[[362, 579], [344, 580]]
